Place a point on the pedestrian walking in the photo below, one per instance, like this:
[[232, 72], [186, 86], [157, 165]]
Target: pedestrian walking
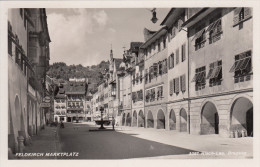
[[113, 123]]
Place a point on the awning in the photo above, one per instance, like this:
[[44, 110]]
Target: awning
[[199, 77], [216, 72], [195, 77], [240, 64], [198, 34], [213, 25], [210, 73]]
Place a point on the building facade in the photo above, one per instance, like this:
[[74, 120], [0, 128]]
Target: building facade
[[221, 76], [28, 59], [137, 74], [60, 106], [156, 79], [196, 74], [75, 92], [178, 105]]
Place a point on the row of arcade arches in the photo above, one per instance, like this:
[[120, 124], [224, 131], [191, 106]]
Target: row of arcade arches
[[241, 118]]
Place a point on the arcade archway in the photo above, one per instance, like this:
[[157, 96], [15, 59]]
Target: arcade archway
[[128, 120], [241, 117], [160, 120], [150, 120], [123, 120], [134, 119], [209, 119], [172, 120], [141, 119], [183, 120]]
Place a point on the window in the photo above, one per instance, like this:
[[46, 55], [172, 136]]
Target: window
[[141, 76], [155, 69], [146, 76], [183, 52], [137, 78], [159, 92], [171, 61], [241, 14], [242, 68], [17, 56], [164, 68], [160, 68], [152, 95], [183, 83], [134, 97], [159, 46], [133, 79], [215, 73], [150, 73], [171, 87], [200, 37], [215, 31], [177, 56], [173, 32], [164, 43], [148, 95], [200, 78], [176, 85]]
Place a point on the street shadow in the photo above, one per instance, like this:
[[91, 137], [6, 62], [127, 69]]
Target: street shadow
[[113, 145]]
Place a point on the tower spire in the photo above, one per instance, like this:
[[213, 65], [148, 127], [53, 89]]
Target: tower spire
[[111, 52]]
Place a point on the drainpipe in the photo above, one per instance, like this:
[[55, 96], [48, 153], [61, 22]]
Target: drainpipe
[[188, 75]]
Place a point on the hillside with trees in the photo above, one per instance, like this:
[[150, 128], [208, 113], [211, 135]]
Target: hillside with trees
[[61, 71]]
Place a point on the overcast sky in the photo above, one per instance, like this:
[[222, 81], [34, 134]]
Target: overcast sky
[[84, 36]]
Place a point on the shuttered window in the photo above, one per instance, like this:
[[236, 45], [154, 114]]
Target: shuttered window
[[177, 56], [183, 83], [183, 52], [171, 87], [177, 85], [241, 14]]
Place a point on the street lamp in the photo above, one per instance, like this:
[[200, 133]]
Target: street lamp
[[154, 18], [102, 121]]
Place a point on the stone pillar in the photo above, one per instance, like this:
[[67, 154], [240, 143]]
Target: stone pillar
[[178, 122], [20, 144], [26, 138]]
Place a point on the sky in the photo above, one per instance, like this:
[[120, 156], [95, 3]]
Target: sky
[[84, 36]]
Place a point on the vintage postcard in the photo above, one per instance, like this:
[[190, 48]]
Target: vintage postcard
[[150, 81]]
